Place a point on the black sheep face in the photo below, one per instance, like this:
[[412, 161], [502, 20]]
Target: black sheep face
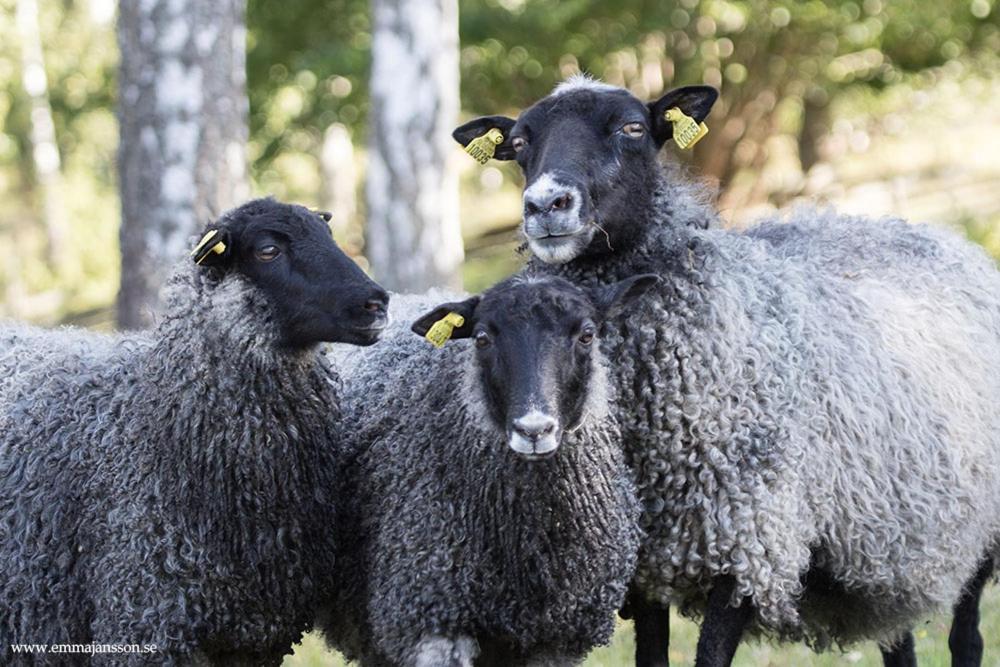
[[589, 156], [316, 292], [534, 347]]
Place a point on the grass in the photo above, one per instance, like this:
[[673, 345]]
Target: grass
[[931, 639]]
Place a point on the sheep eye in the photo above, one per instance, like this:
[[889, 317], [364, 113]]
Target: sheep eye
[[633, 130], [518, 144], [267, 253], [586, 338], [482, 340]]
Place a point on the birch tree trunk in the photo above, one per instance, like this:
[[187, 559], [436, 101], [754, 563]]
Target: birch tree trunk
[[340, 179], [413, 236], [183, 118], [44, 149]]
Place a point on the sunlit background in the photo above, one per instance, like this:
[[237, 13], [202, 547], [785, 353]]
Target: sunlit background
[[877, 107]]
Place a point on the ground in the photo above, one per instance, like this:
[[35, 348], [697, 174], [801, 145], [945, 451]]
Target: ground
[[932, 647]]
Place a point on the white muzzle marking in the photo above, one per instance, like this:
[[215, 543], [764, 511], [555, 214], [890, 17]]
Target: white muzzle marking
[[534, 435]]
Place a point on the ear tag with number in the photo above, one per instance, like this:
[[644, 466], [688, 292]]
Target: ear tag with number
[[687, 131], [484, 146], [441, 331], [205, 247]]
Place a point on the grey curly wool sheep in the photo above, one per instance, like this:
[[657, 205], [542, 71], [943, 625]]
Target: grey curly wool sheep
[[814, 395], [468, 540], [809, 406], [173, 488]]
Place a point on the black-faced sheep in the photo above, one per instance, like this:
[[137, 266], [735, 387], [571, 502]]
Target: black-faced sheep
[[495, 519], [809, 406], [174, 488]]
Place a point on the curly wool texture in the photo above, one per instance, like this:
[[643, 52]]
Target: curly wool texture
[[457, 536], [170, 488], [810, 407]]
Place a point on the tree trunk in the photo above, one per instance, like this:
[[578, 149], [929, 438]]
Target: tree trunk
[[44, 149], [413, 238], [340, 183], [815, 126], [183, 118]]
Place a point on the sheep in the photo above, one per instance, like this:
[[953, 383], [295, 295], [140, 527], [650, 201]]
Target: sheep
[[808, 406], [169, 491], [495, 521]]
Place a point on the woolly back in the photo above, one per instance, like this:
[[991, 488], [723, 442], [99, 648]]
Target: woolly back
[[798, 378]]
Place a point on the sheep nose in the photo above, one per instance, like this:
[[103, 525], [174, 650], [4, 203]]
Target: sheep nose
[[377, 303], [533, 426], [545, 202]]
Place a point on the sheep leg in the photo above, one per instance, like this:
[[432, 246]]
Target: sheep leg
[[901, 654], [652, 631], [437, 651], [965, 641], [723, 626]]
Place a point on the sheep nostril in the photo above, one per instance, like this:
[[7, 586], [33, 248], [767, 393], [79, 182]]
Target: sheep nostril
[[562, 202], [531, 208], [533, 427], [373, 306]]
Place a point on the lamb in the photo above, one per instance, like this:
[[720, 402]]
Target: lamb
[[170, 491], [808, 406], [496, 521]]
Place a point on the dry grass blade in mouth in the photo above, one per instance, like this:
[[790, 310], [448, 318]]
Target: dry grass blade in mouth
[[607, 237]]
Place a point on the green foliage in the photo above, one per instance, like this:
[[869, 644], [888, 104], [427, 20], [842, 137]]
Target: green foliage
[[307, 67], [514, 50], [80, 63]]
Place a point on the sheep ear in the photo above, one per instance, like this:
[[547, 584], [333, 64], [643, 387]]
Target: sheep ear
[[480, 127], [695, 101], [214, 248], [448, 321], [612, 299]]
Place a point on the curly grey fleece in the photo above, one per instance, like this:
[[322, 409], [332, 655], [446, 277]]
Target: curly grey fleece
[[170, 488], [814, 395], [456, 537]]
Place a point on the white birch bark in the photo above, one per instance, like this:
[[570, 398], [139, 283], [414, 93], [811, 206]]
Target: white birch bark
[[413, 236], [183, 118], [340, 179], [44, 149]]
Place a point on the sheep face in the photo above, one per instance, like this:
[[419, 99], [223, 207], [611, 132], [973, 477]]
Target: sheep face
[[535, 368], [316, 293], [589, 156]]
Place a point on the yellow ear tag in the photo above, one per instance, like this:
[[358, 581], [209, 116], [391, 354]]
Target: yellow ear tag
[[687, 131], [483, 147], [441, 331], [218, 248]]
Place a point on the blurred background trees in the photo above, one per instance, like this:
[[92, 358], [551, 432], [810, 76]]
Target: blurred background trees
[[182, 110], [876, 106], [413, 238]]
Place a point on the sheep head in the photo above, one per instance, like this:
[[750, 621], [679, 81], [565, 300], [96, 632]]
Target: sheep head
[[315, 292], [589, 156], [534, 368]]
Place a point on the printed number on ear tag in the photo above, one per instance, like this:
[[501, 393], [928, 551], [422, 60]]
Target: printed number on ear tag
[[483, 147], [441, 331], [687, 131], [205, 247]]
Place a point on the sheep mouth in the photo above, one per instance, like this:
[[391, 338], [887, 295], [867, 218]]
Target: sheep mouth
[[527, 449], [557, 238], [537, 457], [558, 248], [367, 335]]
